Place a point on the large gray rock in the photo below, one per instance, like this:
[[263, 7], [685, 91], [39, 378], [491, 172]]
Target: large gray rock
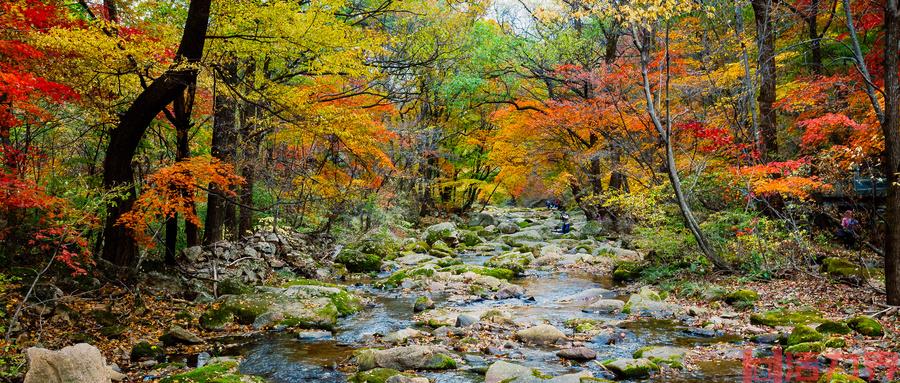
[[509, 372], [585, 297], [401, 336], [81, 363], [445, 231], [406, 358], [648, 303], [543, 334], [577, 353], [482, 219], [507, 228], [178, 335], [605, 306]]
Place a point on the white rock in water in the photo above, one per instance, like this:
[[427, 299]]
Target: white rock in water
[[80, 363]]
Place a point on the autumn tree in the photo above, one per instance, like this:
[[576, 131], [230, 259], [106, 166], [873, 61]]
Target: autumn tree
[[119, 246]]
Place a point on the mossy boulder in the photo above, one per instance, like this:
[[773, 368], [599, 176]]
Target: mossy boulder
[[496, 272], [805, 347], [382, 243], [627, 368], [648, 303], [225, 372], [804, 334], [591, 229], [834, 327], [376, 375], [415, 357], [440, 249], [469, 238], [515, 261], [298, 305], [671, 356], [626, 271], [582, 325], [233, 286], [445, 231], [841, 268], [397, 278], [839, 377], [358, 262], [866, 326], [782, 317]]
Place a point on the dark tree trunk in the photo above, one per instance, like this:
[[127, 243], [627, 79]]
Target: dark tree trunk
[[183, 106], [248, 169], [765, 41], [891, 129], [119, 246], [221, 148]]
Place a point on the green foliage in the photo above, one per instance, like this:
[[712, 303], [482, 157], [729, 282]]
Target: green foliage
[[751, 242]]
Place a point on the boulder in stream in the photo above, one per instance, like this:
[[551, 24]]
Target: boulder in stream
[[543, 334], [510, 372], [406, 358], [628, 368]]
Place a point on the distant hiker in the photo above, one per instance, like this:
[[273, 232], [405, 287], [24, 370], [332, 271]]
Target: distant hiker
[[847, 232], [566, 225]]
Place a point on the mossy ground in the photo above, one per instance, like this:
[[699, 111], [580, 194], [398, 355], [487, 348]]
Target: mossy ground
[[781, 317], [225, 372]]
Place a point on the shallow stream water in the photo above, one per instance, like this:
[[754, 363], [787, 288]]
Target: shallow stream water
[[284, 358]]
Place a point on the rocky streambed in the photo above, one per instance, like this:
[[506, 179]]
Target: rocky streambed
[[522, 304], [503, 298]]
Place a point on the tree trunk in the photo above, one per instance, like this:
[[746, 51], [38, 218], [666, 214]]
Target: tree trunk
[[119, 246], [183, 106], [765, 41], [642, 41], [223, 128], [248, 169], [891, 127], [815, 41]]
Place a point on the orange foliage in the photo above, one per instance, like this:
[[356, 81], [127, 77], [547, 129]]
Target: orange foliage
[[174, 190]]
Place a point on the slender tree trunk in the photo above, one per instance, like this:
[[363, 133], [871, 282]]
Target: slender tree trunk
[[119, 246], [891, 128], [248, 169], [642, 39], [765, 41]]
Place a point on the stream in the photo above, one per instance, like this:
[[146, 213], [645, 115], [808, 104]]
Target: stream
[[283, 358]]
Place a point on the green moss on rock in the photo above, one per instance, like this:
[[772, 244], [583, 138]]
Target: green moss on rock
[[803, 334], [515, 261], [376, 375], [839, 377], [834, 327], [781, 317], [357, 261], [225, 372], [626, 271], [805, 347], [843, 269], [866, 326], [631, 368]]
